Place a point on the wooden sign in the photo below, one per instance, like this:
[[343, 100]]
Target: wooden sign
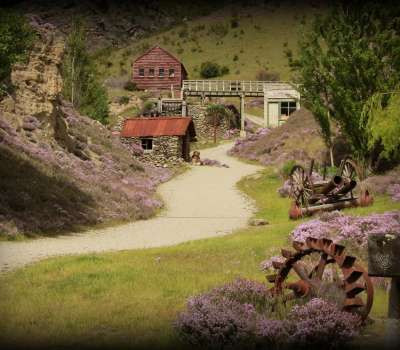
[[384, 255]]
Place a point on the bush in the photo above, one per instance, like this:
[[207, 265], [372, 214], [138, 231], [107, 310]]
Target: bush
[[219, 29], [319, 323], [234, 23], [240, 314], [123, 100], [130, 86], [224, 70], [235, 58], [209, 70], [16, 39]]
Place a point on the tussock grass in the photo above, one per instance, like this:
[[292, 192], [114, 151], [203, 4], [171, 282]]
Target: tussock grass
[[131, 298]]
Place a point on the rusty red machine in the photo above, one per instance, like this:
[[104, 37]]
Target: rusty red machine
[[329, 194], [309, 261]]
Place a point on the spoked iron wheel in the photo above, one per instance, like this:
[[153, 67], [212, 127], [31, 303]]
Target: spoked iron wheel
[[329, 271], [301, 186], [348, 170]]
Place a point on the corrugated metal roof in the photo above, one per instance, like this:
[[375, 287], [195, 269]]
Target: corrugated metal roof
[[158, 126]]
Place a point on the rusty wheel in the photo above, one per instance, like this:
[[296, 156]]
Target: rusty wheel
[[347, 281], [348, 170], [301, 186]]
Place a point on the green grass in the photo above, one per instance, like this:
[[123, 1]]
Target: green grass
[[131, 298], [264, 32]]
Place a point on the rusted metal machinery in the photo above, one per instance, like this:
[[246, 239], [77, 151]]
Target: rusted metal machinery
[[323, 267], [336, 193]]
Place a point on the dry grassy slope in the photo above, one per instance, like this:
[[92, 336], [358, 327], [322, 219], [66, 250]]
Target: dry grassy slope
[[59, 169], [264, 30], [298, 139], [114, 23]]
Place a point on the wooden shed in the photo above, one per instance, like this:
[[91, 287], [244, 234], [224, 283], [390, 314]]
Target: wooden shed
[[157, 69], [162, 138]]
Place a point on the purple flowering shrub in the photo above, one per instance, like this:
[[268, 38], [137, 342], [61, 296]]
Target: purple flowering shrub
[[320, 323], [353, 229], [230, 134], [241, 314], [82, 173], [388, 183], [225, 316], [279, 145], [394, 192]]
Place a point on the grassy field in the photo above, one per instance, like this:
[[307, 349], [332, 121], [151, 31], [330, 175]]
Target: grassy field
[[245, 39], [131, 298]]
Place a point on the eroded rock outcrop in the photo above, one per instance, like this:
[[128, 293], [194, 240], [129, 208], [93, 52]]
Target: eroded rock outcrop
[[60, 170]]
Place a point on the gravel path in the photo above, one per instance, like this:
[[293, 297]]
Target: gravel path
[[202, 202]]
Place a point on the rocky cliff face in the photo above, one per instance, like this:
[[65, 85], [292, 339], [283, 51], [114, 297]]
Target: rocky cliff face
[[59, 169]]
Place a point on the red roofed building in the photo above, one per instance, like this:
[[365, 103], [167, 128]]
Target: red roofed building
[[163, 139], [157, 69]]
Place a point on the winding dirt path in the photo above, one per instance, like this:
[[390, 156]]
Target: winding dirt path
[[202, 202]]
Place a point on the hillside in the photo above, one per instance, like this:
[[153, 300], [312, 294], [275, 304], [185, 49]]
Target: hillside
[[60, 170], [244, 38], [298, 139]]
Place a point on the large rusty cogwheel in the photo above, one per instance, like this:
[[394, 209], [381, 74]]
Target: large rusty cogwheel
[[354, 287]]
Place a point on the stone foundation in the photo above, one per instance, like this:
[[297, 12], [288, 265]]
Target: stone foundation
[[203, 128], [167, 150]]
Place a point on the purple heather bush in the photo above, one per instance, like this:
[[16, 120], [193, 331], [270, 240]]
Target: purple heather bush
[[279, 145], [355, 229], [320, 323], [81, 182], [240, 314]]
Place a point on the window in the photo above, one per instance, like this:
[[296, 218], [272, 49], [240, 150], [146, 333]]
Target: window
[[147, 144], [151, 72], [141, 72], [288, 107], [171, 72], [161, 72]]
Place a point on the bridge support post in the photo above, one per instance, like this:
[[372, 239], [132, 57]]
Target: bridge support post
[[159, 106], [266, 110], [184, 108], [242, 117]]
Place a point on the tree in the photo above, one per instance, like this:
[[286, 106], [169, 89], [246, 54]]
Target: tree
[[16, 38], [81, 83], [343, 59], [215, 114], [382, 112]]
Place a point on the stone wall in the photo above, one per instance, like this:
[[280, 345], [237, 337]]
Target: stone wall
[[203, 128], [167, 150]]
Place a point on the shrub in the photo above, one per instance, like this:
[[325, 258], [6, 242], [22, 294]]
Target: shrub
[[225, 316], [219, 29], [239, 314], [265, 75], [341, 227], [209, 70], [180, 50], [130, 86], [234, 23], [123, 100], [235, 58], [319, 323], [224, 70]]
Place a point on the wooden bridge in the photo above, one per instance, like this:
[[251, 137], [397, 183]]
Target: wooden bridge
[[247, 88], [275, 93]]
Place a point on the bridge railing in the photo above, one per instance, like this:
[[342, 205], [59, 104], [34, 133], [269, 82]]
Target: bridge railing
[[229, 86]]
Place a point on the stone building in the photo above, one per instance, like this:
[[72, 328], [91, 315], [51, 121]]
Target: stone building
[[164, 140]]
